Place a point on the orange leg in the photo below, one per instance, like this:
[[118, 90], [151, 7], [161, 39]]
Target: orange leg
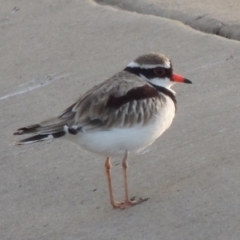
[[128, 202], [108, 167], [125, 176]]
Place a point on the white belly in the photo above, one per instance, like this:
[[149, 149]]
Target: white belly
[[117, 141]]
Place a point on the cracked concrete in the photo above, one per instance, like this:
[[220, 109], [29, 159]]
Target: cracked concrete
[[33, 84], [207, 16]]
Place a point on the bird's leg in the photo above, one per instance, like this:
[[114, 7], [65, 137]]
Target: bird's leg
[[108, 167], [128, 202], [125, 175]]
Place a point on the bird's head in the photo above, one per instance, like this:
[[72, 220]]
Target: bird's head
[[156, 69]]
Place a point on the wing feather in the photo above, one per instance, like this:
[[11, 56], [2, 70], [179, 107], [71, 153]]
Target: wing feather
[[120, 101]]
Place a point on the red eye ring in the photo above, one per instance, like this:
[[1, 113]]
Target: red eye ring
[[159, 71]]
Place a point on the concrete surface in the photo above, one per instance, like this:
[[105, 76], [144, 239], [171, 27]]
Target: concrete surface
[[51, 52], [218, 17]]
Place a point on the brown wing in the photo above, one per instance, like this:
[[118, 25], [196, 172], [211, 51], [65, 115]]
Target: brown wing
[[121, 101]]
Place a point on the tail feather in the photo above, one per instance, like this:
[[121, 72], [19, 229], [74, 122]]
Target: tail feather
[[33, 139], [26, 130], [42, 132], [52, 128], [40, 138], [49, 126]]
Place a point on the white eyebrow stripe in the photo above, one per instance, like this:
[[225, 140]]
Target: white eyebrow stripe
[[148, 66]]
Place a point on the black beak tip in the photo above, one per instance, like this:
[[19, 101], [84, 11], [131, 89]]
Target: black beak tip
[[187, 81]]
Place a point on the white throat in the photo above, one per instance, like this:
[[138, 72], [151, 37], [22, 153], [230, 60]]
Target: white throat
[[161, 82]]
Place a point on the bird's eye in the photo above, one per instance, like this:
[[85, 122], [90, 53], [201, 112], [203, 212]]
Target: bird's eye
[[160, 72]]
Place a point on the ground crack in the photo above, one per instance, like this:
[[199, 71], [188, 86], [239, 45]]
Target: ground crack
[[202, 23]]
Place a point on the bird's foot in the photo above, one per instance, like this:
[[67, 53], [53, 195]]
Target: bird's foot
[[128, 203]]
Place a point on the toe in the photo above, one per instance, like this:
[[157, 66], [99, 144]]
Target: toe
[[132, 202]]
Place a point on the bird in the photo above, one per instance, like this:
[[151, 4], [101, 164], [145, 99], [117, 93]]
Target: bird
[[126, 113]]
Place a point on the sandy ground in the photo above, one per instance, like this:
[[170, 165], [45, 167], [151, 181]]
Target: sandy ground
[[51, 52]]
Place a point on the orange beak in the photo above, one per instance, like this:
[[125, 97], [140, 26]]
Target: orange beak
[[178, 78]]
